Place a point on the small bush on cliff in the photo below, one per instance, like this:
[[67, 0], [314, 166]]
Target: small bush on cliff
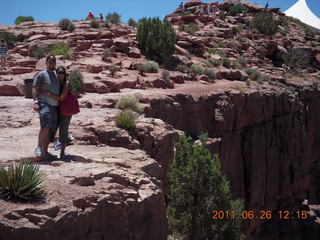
[[190, 28], [165, 75], [94, 23], [265, 23], [71, 27], [126, 119], [64, 23], [113, 70], [237, 9], [196, 69], [148, 67], [209, 73], [21, 19], [40, 52], [76, 80], [197, 189], [22, 181], [182, 68], [132, 23], [9, 38], [61, 48], [156, 39], [129, 102], [113, 18]]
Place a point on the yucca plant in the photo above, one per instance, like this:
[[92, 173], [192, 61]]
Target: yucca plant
[[22, 181]]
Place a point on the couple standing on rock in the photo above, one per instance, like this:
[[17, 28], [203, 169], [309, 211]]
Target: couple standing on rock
[[52, 94]]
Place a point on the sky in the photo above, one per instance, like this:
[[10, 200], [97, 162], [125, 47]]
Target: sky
[[53, 11]]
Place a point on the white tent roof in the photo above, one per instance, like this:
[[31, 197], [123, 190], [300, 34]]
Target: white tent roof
[[301, 11]]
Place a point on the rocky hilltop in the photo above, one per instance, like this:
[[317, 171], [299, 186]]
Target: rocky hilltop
[[260, 114]]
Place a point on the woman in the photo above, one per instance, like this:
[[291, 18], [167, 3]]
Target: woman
[[64, 119]]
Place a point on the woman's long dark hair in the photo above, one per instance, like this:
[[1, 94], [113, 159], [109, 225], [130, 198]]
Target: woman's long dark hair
[[62, 69]]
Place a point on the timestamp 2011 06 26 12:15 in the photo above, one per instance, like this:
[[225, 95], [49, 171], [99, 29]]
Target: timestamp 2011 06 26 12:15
[[261, 214]]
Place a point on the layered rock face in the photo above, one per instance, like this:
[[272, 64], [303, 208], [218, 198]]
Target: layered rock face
[[268, 143]]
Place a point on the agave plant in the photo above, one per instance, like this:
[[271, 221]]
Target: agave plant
[[22, 181]]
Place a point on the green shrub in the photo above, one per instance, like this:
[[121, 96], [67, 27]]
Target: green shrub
[[126, 119], [197, 189], [237, 9], [296, 60], [256, 75], [182, 68], [94, 23], [265, 23], [242, 61], [64, 23], [129, 102], [40, 52], [21, 19], [156, 39], [211, 51], [113, 18], [165, 74], [60, 48], [208, 72], [222, 15], [226, 62], [76, 80], [106, 53], [221, 53], [9, 38], [191, 28], [113, 70], [132, 23], [71, 27], [215, 62], [151, 67], [196, 69], [242, 39], [22, 181], [220, 44], [185, 13], [238, 29]]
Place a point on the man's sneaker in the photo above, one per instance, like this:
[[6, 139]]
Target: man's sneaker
[[38, 152], [57, 145]]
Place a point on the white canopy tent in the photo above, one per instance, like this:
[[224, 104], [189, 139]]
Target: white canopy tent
[[301, 11]]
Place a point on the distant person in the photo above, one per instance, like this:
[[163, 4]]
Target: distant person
[[46, 81], [202, 10], [267, 5], [183, 7], [3, 54], [209, 9], [101, 17], [68, 106], [90, 15]]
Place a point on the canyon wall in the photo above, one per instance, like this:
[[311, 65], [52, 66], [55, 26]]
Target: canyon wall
[[268, 143]]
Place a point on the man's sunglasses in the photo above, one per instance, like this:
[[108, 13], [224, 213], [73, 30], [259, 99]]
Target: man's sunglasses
[[61, 73]]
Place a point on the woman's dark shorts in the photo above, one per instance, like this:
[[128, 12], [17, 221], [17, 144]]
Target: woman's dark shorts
[[48, 116]]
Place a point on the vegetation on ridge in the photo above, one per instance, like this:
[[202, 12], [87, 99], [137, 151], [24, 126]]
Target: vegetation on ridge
[[156, 39]]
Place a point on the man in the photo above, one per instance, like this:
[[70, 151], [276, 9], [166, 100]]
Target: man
[[3, 54], [46, 81]]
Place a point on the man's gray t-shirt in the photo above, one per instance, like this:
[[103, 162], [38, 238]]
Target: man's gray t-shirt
[[48, 82]]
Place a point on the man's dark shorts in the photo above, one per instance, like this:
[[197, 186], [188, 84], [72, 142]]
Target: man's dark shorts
[[48, 116]]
